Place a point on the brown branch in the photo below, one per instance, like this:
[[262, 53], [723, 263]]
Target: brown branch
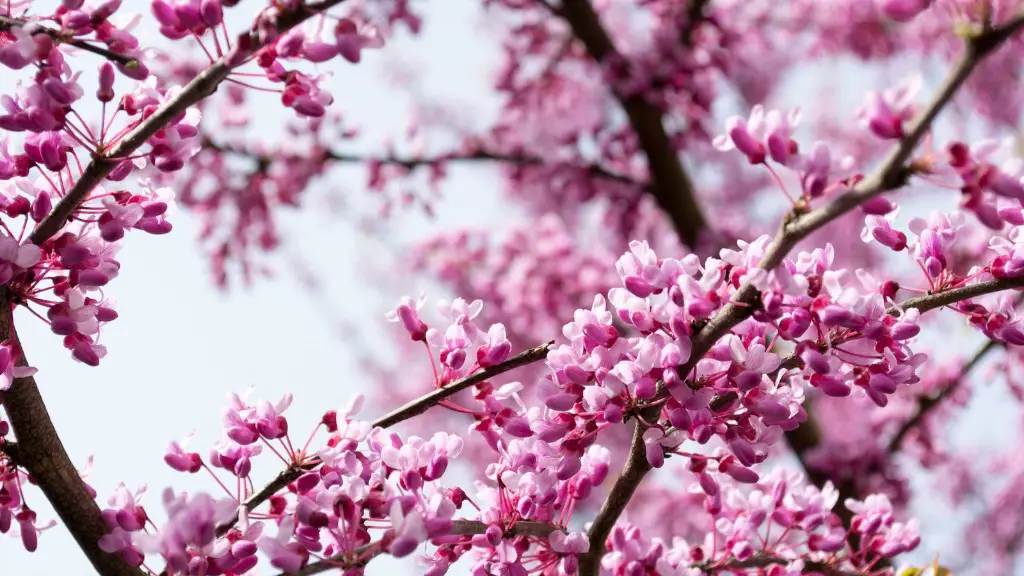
[[925, 404], [414, 408], [66, 37], [671, 185], [410, 162], [745, 301], [763, 561], [41, 453], [202, 86], [362, 555]]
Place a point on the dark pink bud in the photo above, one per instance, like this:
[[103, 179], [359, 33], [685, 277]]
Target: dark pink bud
[[85, 353], [105, 92], [882, 383], [436, 468], [211, 11], [154, 226], [121, 171], [243, 435], [561, 402], [569, 466], [111, 231], [72, 4], [878, 206], [742, 474], [135, 70], [92, 278], [638, 286], [63, 326], [493, 535], [164, 14], [318, 52], [904, 330], [902, 10], [646, 388], [816, 361], [153, 209], [243, 548], [403, 546], [411, 480], [29, 536], [307, 482], [833, 387], [680, 418], [518, 427], [655, 455], [708, 484], [772, 410]]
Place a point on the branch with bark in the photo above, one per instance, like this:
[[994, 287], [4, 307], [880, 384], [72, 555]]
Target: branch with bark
[[411, 162], [362, 555], [66, 37], [671, 185]]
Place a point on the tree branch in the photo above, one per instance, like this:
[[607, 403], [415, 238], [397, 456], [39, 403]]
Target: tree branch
[[891, 174], [414, 408], [362, 555], [763, 561], [200, 87], [66, 37], [41, 453], [925, 404], [671, 185], [410, 162]]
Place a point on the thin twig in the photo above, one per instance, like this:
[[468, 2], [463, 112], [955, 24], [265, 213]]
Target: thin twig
[[925, 404], [764, 561], [362, 555], [66, 37], [410, 162], [414, 408], [890, 175]]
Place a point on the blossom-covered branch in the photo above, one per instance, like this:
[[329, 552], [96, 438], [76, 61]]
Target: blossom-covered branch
[[410, 410], [364, 554], [67, 37], [891, 174]]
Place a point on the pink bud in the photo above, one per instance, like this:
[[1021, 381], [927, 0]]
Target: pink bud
[[85, 353], [878, 206], [26, 523], [211, 12], [105, 92], [902, 10], [518, 427], [92, 278], [318, 52], [655, 455], [403, 546], [882, 383]]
